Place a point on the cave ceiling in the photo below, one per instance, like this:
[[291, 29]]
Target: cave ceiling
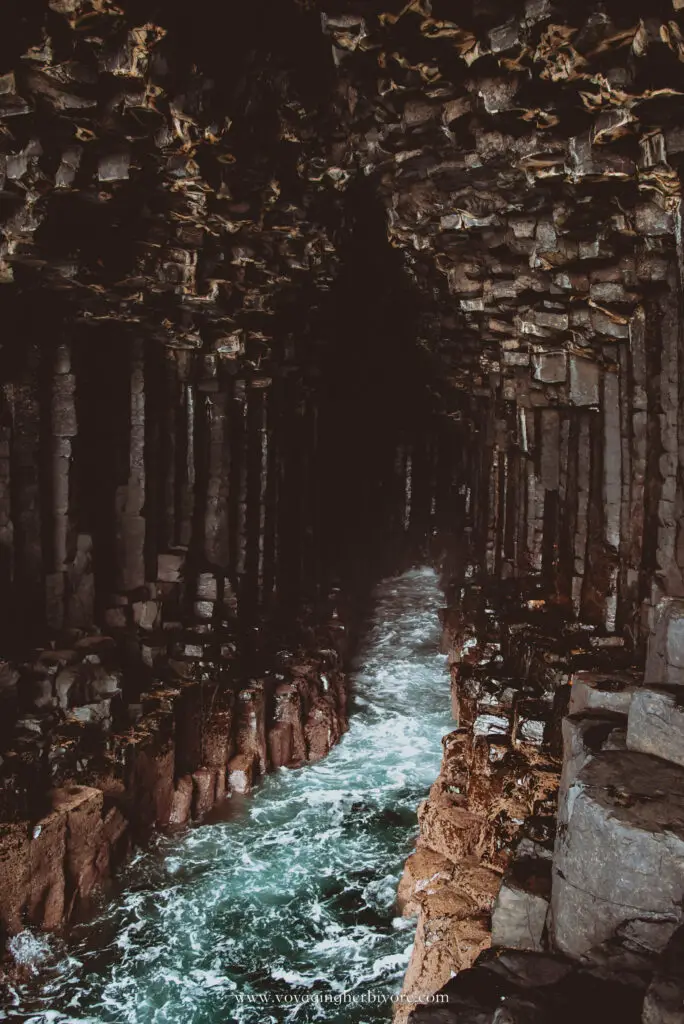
[[185, 172]]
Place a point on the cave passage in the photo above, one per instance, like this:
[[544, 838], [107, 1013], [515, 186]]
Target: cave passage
[[296, 295], [296, 893]]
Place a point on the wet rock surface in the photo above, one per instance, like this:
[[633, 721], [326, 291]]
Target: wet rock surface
[[226, 403], [481, 872], [529, 989], [193, 743], [327, 912], [584, 919]]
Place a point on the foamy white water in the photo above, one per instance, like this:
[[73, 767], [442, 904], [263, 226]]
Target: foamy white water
[[295, 894]]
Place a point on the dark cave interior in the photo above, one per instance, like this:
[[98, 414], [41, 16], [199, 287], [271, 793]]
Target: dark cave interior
[[295, 296]]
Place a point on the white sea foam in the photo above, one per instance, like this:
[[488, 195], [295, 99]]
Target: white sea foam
[[29, 949], [297, 891]]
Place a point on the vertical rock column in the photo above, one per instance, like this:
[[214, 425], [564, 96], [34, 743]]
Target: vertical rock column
[[63, 429], [535, 499], [185, 465], [667, 567], [130, 497], [479, 480], [215, 518], [239, 483], [271, 500], [581, 517], [26, 495], [492, 501], [612, 491], [405, 471], [310, 551], [501, 482], [550, 461], [289, 511], [516, 497], [637, 432], [168, 439], [257, 483], [6, 526]]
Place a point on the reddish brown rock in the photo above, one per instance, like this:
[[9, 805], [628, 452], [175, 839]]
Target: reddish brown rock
[[46, 894], [286, 742], [85, 841], [320, 730], [449, 939], [181, 804], [250, 737], [50, 868], [204, 792], [149, 784], [14, 873]]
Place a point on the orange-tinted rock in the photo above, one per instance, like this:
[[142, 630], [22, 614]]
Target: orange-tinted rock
[[449, 938], [250, 738], [14, 873], [45, 899], [83, 808], [204, 792], [286, 743], [181, 804], [149, 782], [319, 730], [450, 830], [49, 868]]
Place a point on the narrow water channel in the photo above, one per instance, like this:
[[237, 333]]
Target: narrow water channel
[[294, 895]]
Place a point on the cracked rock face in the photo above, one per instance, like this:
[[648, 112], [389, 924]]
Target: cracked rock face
[[621, 853], [290, 292], [197, 432]]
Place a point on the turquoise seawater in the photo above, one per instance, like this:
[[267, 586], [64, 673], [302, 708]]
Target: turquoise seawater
[[293, 897]]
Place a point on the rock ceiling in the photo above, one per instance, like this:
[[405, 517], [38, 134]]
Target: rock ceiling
[[197, 192], [529, 165], [191, 182]]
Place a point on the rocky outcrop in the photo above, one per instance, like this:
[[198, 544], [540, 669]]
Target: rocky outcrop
[[619, 854], [81, 787], [226, 402], [51, 868], [533, 988], [529, 164], [481, 871], [183, 439], [600, 905]]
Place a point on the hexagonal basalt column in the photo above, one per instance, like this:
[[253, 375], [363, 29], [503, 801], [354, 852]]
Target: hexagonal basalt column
[[619, 860], [665, 658]]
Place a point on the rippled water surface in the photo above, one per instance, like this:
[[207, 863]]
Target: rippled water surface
[[295, 894]]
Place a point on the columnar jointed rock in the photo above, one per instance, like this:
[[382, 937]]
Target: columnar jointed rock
[[52, 867], [191, 743], [618, 864], [175, 531], [205, 427], [489, 800]]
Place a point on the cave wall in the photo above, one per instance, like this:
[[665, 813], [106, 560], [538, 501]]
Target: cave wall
[[528, 157], [216, 427], [529, 161], [288, 295]]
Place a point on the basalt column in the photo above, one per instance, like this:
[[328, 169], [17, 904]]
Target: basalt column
[[291, 296], [530, 162], [23, 400]]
